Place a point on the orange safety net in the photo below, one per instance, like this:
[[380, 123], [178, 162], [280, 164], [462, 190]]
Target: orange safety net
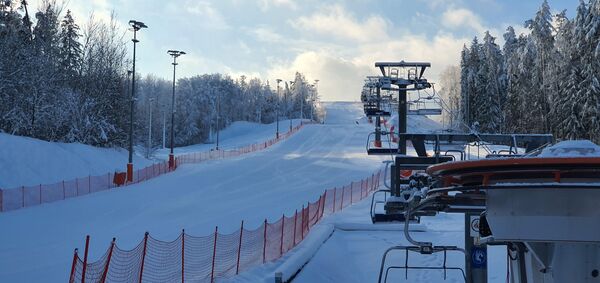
[[203, 259]]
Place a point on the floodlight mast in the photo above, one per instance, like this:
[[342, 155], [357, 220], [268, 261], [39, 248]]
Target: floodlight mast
[[277, 131], [174, 54], [135, 26]]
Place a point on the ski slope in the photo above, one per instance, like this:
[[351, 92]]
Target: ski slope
[[38, 242], [27, 161]]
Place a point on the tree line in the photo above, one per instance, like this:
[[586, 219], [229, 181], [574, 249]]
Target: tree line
[[63, 82], [546, 81]]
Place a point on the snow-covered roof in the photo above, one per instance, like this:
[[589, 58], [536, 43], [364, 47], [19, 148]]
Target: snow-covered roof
[[575, 148]]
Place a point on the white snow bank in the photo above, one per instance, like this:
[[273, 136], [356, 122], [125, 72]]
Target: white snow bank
[[576, 148], [304, 252], [27, 161]]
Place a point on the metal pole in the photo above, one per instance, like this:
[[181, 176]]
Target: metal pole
[[164, 129], [302, 107], [218, 116], [378, 120], [149, 129], [131, 104], [171, 154], [402, 116], [475, 255], [277, 132], [289, 111]]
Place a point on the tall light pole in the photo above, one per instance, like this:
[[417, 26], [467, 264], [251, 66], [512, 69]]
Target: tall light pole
[[289, 112], [314, 98], [174, 54], [277, 132], [149, 128], [218, 116], [135, 26]]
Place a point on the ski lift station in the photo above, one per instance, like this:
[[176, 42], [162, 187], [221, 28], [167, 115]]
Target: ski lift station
[[535, 198]]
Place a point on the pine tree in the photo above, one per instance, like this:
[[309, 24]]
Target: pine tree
[[70, 49]]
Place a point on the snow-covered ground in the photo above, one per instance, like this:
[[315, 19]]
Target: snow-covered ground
[[355, 255], [26, 161], [38, 242], [238, 134]]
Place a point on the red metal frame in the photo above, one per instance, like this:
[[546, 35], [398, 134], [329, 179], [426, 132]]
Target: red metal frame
[[110, 251], [85, 256], [72, 276]]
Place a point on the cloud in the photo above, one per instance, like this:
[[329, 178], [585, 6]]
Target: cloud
[[340, 79], [267, 4], [462, 18], [205, 15], [265, 34], [336, 22]]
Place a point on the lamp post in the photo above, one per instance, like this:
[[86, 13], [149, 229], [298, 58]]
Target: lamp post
[[290, 111], [149, 128], [277, 132], [135, 26], [174, 54], [218, 116], [313, 99]]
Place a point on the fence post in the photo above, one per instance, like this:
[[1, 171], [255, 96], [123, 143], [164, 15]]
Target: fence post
[[351, 194], [40, 193], [182, 253], [85, 255], [334, 193], [212, 271], [1, 201], [265, 242], [143, 256], [63, 187], [237, 267], [282, 226], [323, 206], [108, 181], [342, 204], [307, 216], [22, 196], [295, 220], [110, 251], [72, 276], [77, 185], [89, 184]]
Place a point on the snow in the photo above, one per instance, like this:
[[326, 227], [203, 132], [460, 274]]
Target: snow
[[353, 252], [574, 148], [237, 134], [38, 242], [27, 161]]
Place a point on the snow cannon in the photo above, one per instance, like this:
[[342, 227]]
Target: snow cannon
[[543, 208]]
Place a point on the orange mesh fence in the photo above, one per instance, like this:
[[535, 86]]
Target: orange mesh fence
[[26, 196], [204, 259]]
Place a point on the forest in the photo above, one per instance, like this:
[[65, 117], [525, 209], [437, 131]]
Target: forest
[[62, 82], [545, 81]]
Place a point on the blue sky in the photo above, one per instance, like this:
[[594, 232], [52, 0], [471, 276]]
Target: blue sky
[[336, 42]]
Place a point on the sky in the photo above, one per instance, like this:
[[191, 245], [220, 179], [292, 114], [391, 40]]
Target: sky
[[336, 42]]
